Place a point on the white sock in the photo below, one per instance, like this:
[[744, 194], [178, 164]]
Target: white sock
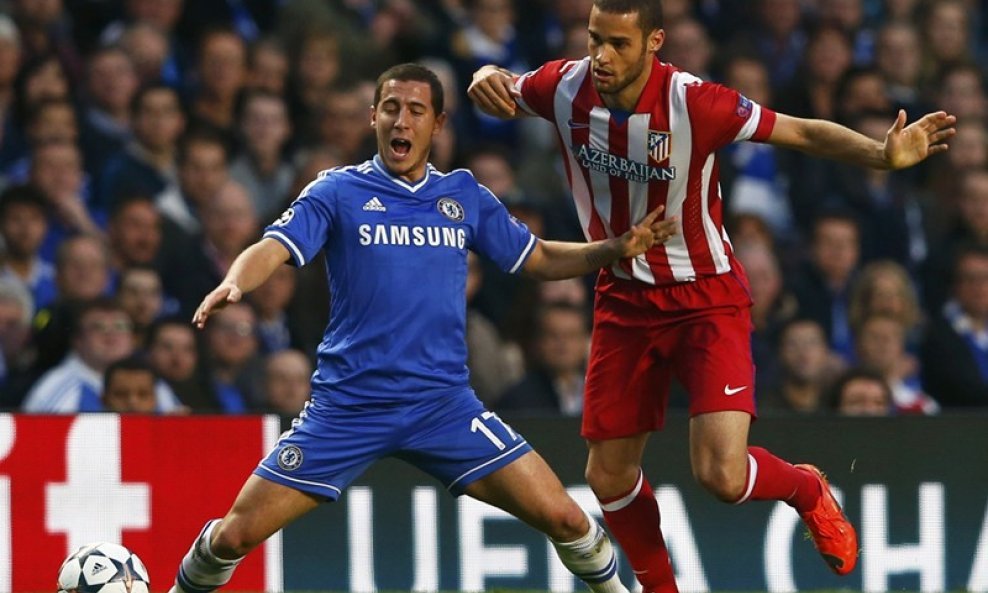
[[592, 559], [201, 571]]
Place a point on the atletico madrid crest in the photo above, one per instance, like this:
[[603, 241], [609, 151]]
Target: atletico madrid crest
[[659, 145]]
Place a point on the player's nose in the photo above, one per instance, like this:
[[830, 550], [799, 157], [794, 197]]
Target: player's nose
[[403, 119]]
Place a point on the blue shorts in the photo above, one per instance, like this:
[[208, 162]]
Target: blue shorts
[[452, 438]]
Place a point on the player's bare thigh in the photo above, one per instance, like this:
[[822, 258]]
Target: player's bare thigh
[[613, 465], [262, 508], [719, 451], [528, 489]]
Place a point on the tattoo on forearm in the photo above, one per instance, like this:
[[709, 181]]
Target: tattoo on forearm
[[599, 257]]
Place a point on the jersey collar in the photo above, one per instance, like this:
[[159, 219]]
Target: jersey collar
[[652, 91], [379, 166]]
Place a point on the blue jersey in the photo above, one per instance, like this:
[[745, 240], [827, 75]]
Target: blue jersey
[[396, 254]]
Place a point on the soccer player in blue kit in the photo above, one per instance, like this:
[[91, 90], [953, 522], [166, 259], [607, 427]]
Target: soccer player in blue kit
[[392, 377]]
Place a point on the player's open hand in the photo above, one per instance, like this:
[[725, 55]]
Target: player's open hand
[[907, 145], [650, 231], [493, 91], [221, 296]]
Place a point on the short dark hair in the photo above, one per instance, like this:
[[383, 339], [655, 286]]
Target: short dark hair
[[137, 102], [23, 195], [852, 75], [65, 248], [107, 50], [219, 31], [649, 11], [487, 149], [410, 72], [858, 374], [836, 214], [29, 69], [203, 134], [251, 96], [131, 363], [100, 304], [127, 201], [790, 324], [169, 321], [965, 250], [265, 43], [256, 94], [965, 67]]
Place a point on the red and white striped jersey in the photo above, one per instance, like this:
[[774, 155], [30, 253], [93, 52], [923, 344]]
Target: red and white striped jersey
[[621, 166]]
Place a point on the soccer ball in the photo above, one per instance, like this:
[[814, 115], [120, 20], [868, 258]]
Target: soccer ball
[[103, 568]]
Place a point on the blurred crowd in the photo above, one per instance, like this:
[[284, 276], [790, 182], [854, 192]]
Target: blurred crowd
[[145, 143]]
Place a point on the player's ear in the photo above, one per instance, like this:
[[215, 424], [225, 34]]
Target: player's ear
[[440, 122], [373, 121], [655, 40]]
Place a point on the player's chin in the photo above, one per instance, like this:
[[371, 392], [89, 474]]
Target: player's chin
[[399, 166], [603, 87], [394, 161]]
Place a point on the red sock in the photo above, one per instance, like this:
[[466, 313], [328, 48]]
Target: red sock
[[770, 478], [633, 518]]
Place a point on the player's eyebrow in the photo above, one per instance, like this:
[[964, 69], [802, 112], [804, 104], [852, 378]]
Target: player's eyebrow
[[398, 101], [612, 39]]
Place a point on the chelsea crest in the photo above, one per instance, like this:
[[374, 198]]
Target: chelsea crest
[[290, 458], [451, 209]]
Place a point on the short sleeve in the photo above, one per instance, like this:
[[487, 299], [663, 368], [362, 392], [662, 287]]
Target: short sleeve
[[305, 226], [722, 115], [501, 237], [538, 88]]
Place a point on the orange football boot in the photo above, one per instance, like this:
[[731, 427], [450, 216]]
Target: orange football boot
[[833, 535]]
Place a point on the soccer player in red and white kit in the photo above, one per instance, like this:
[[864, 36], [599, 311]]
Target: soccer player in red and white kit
[[637, 133]]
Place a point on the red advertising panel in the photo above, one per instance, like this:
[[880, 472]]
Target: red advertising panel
[[149, 483]]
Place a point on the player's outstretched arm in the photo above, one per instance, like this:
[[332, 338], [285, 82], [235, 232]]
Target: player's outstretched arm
[[493, 91], [904, 145], [555, 260], [249, 270]]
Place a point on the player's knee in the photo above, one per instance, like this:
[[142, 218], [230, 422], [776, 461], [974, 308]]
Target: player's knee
[[726, 485], [608, 482], [567, 522], [231, 541]]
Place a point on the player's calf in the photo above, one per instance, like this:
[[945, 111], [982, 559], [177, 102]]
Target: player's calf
[[201, 570], [591, 558]]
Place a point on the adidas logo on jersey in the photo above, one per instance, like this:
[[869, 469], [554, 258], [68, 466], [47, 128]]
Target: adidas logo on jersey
[[374, 205]]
